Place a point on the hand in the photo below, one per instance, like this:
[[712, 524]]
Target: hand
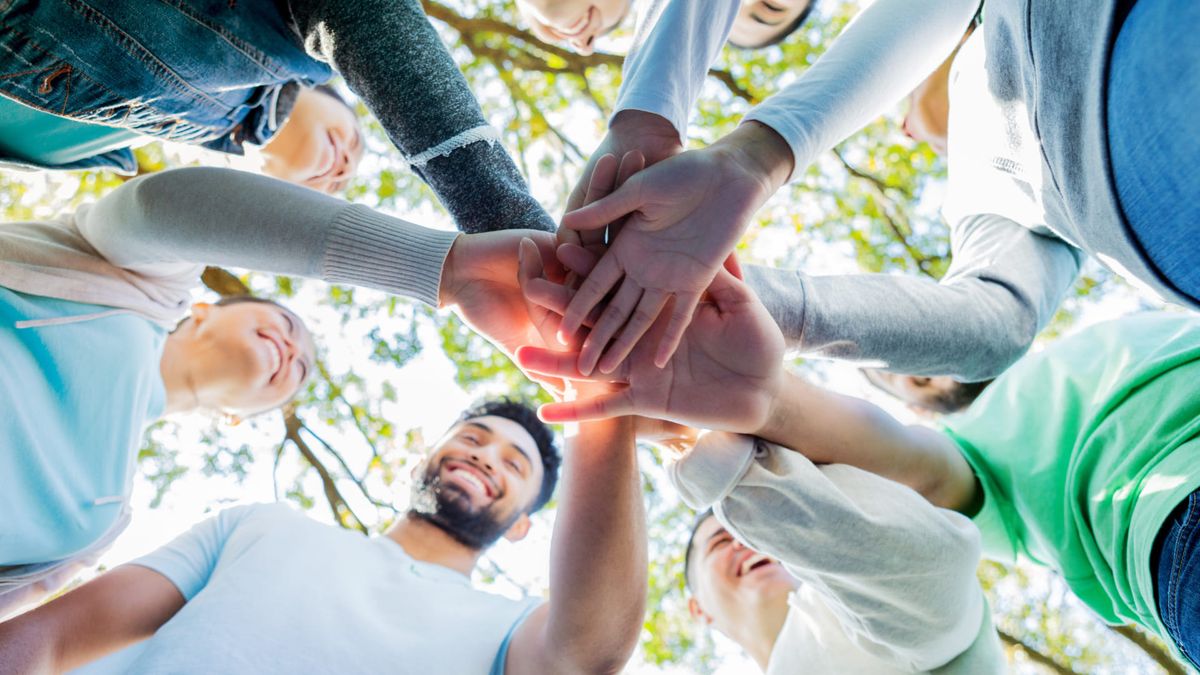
[[726, 373], [685, 215], [480, 282], [630, 131]]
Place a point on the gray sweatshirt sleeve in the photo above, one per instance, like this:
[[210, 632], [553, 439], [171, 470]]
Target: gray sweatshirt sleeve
[[233, 218], [898, 572], [391, 56], [1003, 286]]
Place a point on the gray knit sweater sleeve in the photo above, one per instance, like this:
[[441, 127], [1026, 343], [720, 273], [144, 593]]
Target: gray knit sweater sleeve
[[1003, 286], [391, 56], [232, 218]]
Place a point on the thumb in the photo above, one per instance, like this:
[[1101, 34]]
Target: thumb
[[734, 267], [620, 203], [728, 292]]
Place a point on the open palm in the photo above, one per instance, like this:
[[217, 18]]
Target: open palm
[[723, 376], [685, 215]]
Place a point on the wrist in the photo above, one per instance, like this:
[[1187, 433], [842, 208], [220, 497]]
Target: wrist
[[759, 151], [646, 131], [781, 412]]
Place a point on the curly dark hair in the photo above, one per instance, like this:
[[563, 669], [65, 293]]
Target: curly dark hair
[[542, 435]]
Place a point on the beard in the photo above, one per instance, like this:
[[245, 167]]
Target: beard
[[448, 508]]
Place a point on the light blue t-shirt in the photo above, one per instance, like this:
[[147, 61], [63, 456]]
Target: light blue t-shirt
[[78, 385], [32, 135], [270, 590]]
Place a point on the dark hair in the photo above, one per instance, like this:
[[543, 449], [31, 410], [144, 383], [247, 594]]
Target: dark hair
[[786, 31], [332, 92], [687, 553], [957, 398], [542, 435]]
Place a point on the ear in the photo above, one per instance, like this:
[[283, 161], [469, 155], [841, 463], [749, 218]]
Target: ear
[[697, 612], [200, 312], [519, 529]]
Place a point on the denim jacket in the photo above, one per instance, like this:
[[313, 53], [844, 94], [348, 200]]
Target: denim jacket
[[207, 72]]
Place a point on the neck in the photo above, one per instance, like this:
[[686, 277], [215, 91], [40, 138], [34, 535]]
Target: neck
[[759, 631], [181, 393], [427, 542]]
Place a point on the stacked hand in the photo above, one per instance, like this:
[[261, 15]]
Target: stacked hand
[[682, 218], [480, 282], [724, 375]]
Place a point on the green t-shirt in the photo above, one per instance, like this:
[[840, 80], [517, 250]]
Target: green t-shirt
[[1084, 449]]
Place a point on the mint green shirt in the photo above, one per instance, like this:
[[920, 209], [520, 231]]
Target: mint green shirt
[[32, 135], [1084, 449]]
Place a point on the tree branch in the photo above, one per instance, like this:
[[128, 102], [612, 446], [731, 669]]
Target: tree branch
[[1035, 655], [1161, 656], [337, 503]]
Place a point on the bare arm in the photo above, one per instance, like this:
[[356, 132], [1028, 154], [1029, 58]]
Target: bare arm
[[830, 428], [598, 561], [113, 611]]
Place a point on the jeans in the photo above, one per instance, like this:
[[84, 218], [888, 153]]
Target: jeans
[[1154, 135], [1175, 561]]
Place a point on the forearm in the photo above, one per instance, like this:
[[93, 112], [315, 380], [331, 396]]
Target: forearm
[[391, 56], [666, 70], [1004, 285], [26, 647], [830, 428], [598, 552], [880, 57], [118, 608], [231, 218]]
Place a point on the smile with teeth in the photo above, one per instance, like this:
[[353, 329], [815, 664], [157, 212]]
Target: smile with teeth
[[468, 475], [275, 354], [752, 563]]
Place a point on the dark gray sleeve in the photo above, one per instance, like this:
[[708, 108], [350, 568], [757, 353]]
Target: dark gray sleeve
[[1003, 286], [232, 218], [391, 56]]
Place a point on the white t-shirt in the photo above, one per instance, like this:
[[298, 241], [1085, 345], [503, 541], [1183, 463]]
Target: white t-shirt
[[272, 591]]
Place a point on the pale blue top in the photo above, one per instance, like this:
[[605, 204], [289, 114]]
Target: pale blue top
[[79, 384], [43, 138], [270, 590]]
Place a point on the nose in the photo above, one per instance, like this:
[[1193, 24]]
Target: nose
[[478, 458]]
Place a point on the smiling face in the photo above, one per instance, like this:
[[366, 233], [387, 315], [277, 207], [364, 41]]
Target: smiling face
[[731, 583], [244, 357], [761, 23], [574, 22], [319, 145], [480, 482]]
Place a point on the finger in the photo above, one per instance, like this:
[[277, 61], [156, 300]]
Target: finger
[[681, 317], [622, 202], [559, 364], [577, 259], [631, 163], [603, 178], [592, 292], [613, 404], [734, 267], [727, 291], [611, 319], [547, 295], [647, 311]]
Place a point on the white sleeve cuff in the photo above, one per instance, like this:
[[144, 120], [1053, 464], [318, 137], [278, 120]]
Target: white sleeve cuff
[[708, 473]]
